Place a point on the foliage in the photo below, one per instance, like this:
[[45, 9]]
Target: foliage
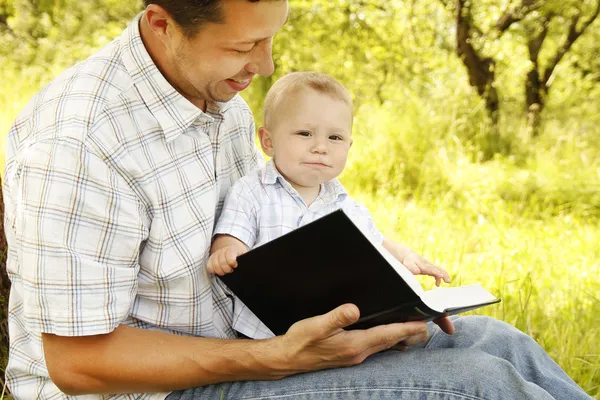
[[492, 204]]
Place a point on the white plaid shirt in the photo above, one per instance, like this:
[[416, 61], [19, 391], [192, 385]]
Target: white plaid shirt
[[113, 183], [263, 206]]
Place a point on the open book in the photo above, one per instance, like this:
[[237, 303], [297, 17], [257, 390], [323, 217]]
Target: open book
[[329, 262]]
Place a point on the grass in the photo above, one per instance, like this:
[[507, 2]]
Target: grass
[[525, 223], [546, 272]]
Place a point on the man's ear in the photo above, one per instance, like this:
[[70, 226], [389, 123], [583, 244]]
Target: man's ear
[[266, 141], [162, 25]]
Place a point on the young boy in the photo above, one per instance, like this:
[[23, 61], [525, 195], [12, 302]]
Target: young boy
[[307, 132]]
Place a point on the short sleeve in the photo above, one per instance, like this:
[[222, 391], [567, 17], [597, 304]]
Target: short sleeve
[[238, 217], [76, 228], [362, 218]]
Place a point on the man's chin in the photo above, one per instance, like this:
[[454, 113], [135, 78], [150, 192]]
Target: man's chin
[[224, 98]]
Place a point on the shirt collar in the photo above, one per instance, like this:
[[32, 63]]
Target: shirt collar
[[173, 112], [332, 188]]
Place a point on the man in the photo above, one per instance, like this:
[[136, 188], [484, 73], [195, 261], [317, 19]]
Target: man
[[115, 175]]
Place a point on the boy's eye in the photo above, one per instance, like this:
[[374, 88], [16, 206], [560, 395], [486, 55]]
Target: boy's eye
[[335, 137], [304, 133]]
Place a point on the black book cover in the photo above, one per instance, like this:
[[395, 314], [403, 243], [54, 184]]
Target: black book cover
[[320, 266]]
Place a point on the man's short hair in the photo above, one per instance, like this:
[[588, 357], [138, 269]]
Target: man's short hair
[[192, 15], [295, 81]]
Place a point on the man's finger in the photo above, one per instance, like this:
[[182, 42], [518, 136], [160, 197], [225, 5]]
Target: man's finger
[[445, 324], [342, 316], [323, 326], [415, 339], [389, 335], [400, 347], [386, 337]]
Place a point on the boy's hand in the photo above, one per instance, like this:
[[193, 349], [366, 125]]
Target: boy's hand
[[420, 266], [224, 260]]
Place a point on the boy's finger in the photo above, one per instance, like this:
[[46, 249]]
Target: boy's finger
[[226, 269], [442, 274], [210, 266], [231, 258], [216, 269], [223, 259]]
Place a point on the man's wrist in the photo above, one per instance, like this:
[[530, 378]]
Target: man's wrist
[[264, 359]]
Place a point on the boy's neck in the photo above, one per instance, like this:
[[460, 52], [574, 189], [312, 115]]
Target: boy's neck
[[308, 194]]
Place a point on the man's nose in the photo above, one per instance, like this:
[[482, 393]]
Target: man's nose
[[262, 64]]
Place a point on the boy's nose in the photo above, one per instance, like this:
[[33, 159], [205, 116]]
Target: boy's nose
[[319, 147]]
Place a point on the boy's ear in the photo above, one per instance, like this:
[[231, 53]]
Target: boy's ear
[[266, 141]]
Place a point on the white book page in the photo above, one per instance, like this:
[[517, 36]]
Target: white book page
[[463, 296]]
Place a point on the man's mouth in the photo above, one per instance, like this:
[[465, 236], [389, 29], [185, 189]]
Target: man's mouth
[[238, 84]]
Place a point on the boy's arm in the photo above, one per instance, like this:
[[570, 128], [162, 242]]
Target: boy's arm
[[414, 262], [222, 241], [399, 251]]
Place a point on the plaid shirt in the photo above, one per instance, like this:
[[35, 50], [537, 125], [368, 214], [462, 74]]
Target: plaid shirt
[[113, 183], [263, 206]]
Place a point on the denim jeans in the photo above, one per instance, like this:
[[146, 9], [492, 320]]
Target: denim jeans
[[484, 359]]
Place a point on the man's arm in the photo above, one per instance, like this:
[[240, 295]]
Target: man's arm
[[133, 360]]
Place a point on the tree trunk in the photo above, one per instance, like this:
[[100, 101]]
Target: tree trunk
[[535, 87], [481, 70]]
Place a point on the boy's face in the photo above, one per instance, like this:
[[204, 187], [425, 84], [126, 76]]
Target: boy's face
[[309, 137]]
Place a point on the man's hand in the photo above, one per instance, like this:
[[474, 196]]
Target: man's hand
[[224, 260], [321, 342], [444, 323], [420, 266]]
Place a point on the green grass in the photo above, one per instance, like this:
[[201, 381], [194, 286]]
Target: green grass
[[525, 223], [546, 272]]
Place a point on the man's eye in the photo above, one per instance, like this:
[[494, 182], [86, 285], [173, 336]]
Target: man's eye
[[244, 51]]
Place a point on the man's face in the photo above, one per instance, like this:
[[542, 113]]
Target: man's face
[[310, 137], [221, 59]]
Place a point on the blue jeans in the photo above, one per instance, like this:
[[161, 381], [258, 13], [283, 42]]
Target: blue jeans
[[484, 359]]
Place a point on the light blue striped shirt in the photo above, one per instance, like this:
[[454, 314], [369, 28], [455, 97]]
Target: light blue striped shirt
[[263, 206]]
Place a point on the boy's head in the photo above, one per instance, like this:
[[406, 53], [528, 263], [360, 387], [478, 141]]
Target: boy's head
[[308, 125]]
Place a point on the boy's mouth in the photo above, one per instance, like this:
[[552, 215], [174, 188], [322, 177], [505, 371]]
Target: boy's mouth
[[317, 164]]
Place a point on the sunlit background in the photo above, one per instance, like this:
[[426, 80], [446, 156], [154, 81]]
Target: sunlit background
[[477, 134]]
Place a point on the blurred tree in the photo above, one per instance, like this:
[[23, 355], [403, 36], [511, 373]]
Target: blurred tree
[[32, 31], [549, 29]]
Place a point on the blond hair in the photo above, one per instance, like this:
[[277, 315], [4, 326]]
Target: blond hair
[[295, 81]]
